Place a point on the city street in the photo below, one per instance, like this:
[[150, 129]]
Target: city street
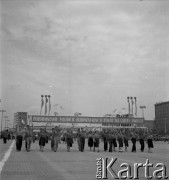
[[73, 165]]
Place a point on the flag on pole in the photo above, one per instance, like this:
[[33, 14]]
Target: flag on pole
[[42, 103], [46, 101], [49, 105], [135, 108]]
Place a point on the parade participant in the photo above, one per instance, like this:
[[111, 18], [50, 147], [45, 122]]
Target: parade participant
[[114, 140], [120, 140], [56, 137], [150, 143], [141, 137], [90, 140], [5, 136], [62, 137], [133, 140], [82, 140], [96, 141], [25, 142], [105, 140], [33, 137], [78, 138], [47, 135], [28, 138], [110, 140], [69, 139], [42, 139], [19, 139], [52, 140], [126, 144]]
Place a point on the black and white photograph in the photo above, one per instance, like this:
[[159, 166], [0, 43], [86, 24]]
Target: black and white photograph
[[84, 89]]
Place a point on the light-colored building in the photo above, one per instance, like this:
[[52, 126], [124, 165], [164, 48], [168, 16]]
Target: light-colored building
[[20, 119]]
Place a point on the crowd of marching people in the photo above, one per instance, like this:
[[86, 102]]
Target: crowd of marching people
[[113, 139]]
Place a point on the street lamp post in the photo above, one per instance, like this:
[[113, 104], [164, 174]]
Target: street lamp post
[[5, 120], [2, 118], [142, 108]]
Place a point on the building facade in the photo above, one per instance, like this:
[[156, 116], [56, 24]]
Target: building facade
[[149, 124], [162, 118], [20, 119]]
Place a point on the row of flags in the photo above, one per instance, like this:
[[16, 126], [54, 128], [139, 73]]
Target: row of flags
[[131, 110], [45, 102]]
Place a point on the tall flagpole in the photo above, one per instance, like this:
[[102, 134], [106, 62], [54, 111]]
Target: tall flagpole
[[46, 101], [135, 106]]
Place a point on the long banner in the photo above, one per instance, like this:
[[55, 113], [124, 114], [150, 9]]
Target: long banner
[[73, 119]]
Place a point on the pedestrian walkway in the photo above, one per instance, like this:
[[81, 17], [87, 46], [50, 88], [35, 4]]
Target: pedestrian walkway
[[27, 166], [73, 165], [4, 147], [37, 165]]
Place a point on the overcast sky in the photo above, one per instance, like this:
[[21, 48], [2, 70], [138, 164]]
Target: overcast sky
[[89, 55]]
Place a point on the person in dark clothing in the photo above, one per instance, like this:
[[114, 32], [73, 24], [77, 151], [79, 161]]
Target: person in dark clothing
[[110, 141], [105, 140], [126, 144], [82, 140], [96, 141], [42, 139], [114, 141], [19, 139], [142, 142], [78, 138], [5, 136], [47, 136], [120, 140], [90, 140], [52, 140], [69, 139], [133, 140], [150, 143]]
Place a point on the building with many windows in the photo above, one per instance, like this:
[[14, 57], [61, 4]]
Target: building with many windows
[[20, 119], [162, 117]]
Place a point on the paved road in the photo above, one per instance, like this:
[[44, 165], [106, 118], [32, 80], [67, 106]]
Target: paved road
[[74, 165], [4, 148]]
